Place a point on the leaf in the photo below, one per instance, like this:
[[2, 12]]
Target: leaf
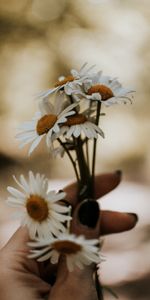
[[110, 291]]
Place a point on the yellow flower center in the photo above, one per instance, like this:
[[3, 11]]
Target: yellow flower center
[[37, 208], [68, 78], [102, 89], [66, 247], [45, 124], [75, 120]]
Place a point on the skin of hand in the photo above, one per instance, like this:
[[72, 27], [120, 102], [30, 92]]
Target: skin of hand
[[22, 278]]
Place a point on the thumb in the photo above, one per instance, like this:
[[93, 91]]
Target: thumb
[[86, 221]]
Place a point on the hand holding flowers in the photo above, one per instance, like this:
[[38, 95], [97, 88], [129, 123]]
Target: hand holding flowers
[[65, 227], [23, 278]]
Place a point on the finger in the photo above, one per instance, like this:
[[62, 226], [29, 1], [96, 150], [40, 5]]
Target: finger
[[104, 183], [82, 223], [91, 222], [17, 248], [115, 222], [86, 219], [68, 284]]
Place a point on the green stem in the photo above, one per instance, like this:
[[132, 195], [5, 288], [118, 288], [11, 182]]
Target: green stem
[[95, 144], [85, 190], [98, 287], [87, 153], [70, 157]]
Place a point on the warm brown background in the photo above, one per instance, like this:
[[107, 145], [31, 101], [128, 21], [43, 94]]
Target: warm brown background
[[42, 39]]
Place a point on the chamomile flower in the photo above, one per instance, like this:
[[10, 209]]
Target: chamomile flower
[[41, 212], [46, 122], [79, 124], [106, 89], [77, 250], [69, 83]]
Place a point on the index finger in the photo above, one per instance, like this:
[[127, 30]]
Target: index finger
[[104, 183]]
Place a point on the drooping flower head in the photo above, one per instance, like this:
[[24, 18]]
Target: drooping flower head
[[77, 250], [106, 89], [46, 122], [42, 212], [69, 82]]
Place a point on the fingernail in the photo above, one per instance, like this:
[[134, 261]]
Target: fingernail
[[118, 173], [88, 213], [135, 216]]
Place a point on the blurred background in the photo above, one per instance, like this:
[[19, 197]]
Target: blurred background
[[41, 40]]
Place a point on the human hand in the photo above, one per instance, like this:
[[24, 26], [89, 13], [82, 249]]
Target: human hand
[[23, 278]]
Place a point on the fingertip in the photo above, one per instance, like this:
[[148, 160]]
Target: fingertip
[[105, 183], [133, 219], [119, 174], [116, 222]]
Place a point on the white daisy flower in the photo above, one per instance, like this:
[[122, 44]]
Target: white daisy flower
[[79, 124], [46, 122], [105, 89], [69, 83], [77, 249], [41, 213]]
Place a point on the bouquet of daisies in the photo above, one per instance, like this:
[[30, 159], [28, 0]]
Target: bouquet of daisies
[[68, 119]]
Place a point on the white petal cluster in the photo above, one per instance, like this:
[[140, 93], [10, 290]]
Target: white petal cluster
[[28, 130], [70, 92], [55, 214], [120, 94], [80, 252], [77, 79], [88, 129]]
